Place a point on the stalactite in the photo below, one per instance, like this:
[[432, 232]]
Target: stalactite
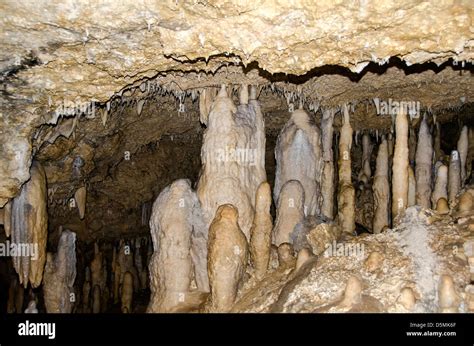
[[400, 166], [80, 197], [206, 98], [346, 192], [290, 211], [60, 274], [424, 158], [298, 157], [438, 153], [327, 179], [104, 114], [411, 145], [127, 293], [29, 226], [411, 187], [7, 218], [175, 216], [227, 258], [462, 146], [441, 185], [233, 158], [381, 189], [261, 231], [454, 177], [390, 145]]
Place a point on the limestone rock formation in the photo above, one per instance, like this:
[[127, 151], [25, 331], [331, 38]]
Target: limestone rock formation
[[327, 179], [60, 274], [175, 217], [227, 258], [381, 190], [127, 293], [261, 231], [232, 156], [290, 211], [400, 172], [424, 158], [346, 192], [298, 157], [29, 227]]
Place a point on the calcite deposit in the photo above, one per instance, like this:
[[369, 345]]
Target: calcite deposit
[[236, 156]]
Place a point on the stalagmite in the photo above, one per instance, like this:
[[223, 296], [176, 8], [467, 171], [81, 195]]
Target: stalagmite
[[374, 262], [442, 206], [327, 179], [466, 202], [470, 153], [304, 255], [298, 157], [352, 293], [381, 189], [138, 260], [261, 231], [60, 274], [346, 193], [407, 298], [86, 292], [97, 270], [176, 215], [286, 256], [233, 158], [365, 171], [462, 146], [400, 166], [31, 309], [440, 187], [424, 157], [29, 227], [454, 177], [127, 293], [448, 299], [227, 258], [80, 197], [411, 187], [96, 309], [290, 211], [19, 298]]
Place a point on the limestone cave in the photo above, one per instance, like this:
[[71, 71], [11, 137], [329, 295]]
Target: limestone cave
[[236, 156]]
